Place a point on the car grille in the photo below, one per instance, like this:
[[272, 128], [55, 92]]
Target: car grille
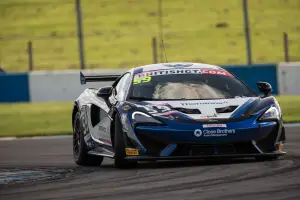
[[214, 149], [152, 146]]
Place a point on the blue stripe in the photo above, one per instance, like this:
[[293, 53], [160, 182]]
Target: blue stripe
[[14, 88], [138, 70], [168, 150], [243, 108]]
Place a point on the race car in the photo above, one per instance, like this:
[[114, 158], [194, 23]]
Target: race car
[[175, 111]]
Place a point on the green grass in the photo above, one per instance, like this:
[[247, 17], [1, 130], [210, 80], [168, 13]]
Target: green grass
[[36, 119], [291, 108], [118, 32]]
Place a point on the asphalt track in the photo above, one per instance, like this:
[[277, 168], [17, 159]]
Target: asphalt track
[[239, 179]]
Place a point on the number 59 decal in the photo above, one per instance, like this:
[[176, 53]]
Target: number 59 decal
[[145, 79]]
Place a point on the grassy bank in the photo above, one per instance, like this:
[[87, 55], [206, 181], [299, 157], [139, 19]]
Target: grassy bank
[[291, 108], [35, 119], [55, 118], [118, 32]]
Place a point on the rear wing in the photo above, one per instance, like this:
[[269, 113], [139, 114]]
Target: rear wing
[[97, 78]]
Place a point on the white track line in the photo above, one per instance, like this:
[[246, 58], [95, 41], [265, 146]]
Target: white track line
[[292, 125], [35, 137], [8, 138]]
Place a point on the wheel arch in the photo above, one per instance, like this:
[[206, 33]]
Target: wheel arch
[[74, 111], [112, 127]]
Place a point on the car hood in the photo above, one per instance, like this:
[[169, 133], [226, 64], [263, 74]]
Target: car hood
[[197, 109]]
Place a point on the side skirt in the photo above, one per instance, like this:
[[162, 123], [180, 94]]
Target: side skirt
[[103, 153]]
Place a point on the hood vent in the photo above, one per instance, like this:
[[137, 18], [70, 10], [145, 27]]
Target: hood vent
[[188, 110], [227, 109]]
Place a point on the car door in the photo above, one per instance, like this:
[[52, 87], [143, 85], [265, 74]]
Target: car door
[[101, 119]]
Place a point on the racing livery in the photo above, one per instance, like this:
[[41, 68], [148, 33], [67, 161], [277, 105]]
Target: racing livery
[[175, 111]]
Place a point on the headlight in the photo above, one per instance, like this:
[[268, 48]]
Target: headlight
[[271, 114], [141, 117]]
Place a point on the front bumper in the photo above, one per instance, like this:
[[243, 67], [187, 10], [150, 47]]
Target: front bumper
[[241, 139], [196, 133]]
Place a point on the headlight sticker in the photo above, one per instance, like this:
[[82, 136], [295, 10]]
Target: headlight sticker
[[155, 109], [139, 113]]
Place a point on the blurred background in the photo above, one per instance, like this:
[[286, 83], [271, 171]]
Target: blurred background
[[119, 33], [44, 44]]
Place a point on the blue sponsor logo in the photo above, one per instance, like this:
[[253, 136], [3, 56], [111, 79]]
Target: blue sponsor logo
[[178, 65]]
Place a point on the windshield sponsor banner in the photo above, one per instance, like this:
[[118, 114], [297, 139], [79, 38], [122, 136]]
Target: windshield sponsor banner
[[216, 72], [182, 71], [214, 126]]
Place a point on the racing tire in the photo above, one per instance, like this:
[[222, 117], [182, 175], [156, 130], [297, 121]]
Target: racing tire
[[80, 155], [119, 147], [266, 158]]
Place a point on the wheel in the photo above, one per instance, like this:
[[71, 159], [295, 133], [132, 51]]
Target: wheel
[[266, 158], [119, 146], [79, 147]]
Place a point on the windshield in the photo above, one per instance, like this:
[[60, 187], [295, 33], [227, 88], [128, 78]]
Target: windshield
[[194, 84]]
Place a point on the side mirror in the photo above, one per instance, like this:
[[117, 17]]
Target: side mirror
[[265, 88], [105, 92]]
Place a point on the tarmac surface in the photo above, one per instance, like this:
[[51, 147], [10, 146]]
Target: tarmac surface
[[60, 178]]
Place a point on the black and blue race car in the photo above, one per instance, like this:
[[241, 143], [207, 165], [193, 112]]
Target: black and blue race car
[[175, 111]]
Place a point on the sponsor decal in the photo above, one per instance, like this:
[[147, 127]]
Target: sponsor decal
[[101, 128], [214, 126], [203, 103], [126, 107], [168, 71], [181, 71], [203, 117], [139, 80], [178, 65], [280, 147], [213, 133], [197, 132], [131, 152], [216, 72], [213, 120], [161, 104], [138, 70], [208, 116]]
